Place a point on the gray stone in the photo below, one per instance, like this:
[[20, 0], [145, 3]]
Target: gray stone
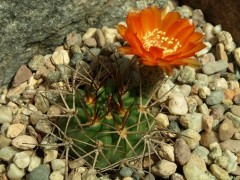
[[36, 62], [215, 97], [28, 26], [202, 152], [125, 172], [192, 121], [42, 172], [212, 67], [187, 75], [7, 153]]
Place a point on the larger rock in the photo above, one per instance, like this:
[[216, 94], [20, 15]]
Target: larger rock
[[28, 27]]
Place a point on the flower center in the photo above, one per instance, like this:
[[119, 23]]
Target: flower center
[[157, 38]]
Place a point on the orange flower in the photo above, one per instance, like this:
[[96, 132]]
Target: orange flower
[[161, 38]]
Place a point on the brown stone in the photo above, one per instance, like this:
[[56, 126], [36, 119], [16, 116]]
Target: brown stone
[[226, 130], [208, 138], [182, 151], [22, 75]]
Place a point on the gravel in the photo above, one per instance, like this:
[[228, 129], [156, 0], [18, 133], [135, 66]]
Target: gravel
[[202, 108]]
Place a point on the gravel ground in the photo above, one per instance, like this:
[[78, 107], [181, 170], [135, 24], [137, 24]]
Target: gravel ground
[[201, 110]]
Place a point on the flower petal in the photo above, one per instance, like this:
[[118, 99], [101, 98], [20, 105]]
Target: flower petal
[[169, 20], [121, 30], [125, 50], [146, 20], [157, 17], [177, 27], [191, 52], [133, 23], [185, 34]]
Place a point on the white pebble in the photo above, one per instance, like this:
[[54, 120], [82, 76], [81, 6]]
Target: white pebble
[[217, 29], [90, 33], [35, 161], [24, 142], [15, 129], [110, 34], [56, 175], [205, 50], [50, 155], [58, 165], [14, 172], [236, 54], [162, 120], [177, 104], [22, 159], [60, 57], [6, 114]]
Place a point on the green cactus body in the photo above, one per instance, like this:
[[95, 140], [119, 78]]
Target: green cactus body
[[107, 121]]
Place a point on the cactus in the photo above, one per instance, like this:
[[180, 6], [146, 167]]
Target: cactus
[[109, 119]]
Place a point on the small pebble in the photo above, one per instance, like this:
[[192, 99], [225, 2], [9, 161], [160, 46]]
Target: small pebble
[[195, 168], [215, 150], [6, 114], [220, 52], [215, 97], [231, 145], [24, 142], [76, 163], [50, 155], [125, 171], [203, 153], [90, 42], [226, 130], [208, 138], [177, 104], [162, 120], [226, 38], [56, 175], [166, 152], [60, 57], [90, 33], [22, 75], [191, 137], [22, 159], [42, 172], [100, 38], [182, 151], [219, 173], [15, 129], [164, 168], [58, 165], [7, 153], [41, 102], [192, 121], [207, 122], [14, 172], [212, 67], [35, 161], [36, 62]]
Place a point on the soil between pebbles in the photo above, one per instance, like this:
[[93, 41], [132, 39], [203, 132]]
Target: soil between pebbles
[[203, 108]]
